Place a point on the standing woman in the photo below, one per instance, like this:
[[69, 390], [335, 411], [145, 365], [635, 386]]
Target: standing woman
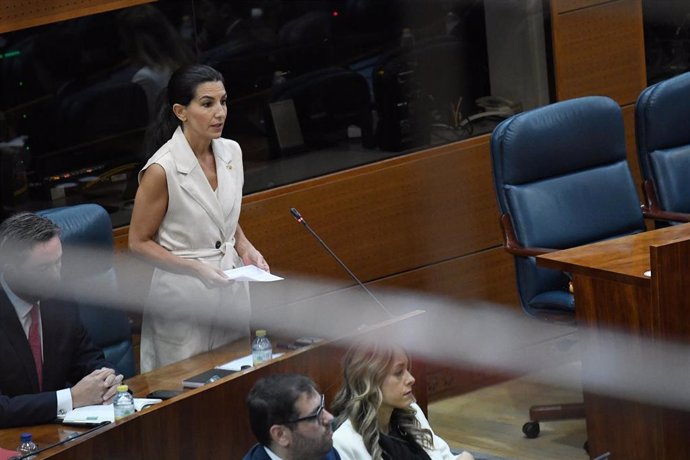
[[376, 413], [185, 221]]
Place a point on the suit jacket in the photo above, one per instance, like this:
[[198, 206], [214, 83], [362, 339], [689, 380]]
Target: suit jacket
[[68, 356], [350, 444], [259, 453]]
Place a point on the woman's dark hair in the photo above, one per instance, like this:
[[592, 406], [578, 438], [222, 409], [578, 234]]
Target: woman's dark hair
[[181, 90]]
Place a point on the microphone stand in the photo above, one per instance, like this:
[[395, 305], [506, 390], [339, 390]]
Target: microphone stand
[[295, 213]]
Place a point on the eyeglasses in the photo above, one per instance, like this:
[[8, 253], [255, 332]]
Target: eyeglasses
[[315, 416]]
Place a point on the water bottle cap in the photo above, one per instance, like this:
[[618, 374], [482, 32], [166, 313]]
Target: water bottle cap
[[25, 437], [122, 388], [261, 333]]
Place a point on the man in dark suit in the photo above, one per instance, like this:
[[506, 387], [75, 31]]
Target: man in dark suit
[[288, 418], [48, 364]]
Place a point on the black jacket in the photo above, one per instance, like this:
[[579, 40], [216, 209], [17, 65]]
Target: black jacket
[[68, 356]]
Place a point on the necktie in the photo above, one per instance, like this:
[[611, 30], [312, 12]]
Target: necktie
[[35, 343]]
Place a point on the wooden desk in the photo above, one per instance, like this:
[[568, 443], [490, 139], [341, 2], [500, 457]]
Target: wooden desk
[[206, 422], [612, 294]]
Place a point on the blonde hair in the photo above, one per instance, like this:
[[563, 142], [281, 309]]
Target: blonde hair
[[365, 367]]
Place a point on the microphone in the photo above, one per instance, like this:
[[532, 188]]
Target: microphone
[[295, 213], [59, 443]]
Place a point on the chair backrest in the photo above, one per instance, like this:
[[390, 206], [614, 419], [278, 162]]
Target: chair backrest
[[247, 65], [306, 42], [126, 109], [327, 101], [662, 119], [562, 176], [87, 227]]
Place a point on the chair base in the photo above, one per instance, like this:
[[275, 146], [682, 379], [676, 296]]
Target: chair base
[[548, 412]]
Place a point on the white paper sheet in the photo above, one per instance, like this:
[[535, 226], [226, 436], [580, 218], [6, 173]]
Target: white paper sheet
[[90, 415], [139, 403], [250, 273], [237, 364]]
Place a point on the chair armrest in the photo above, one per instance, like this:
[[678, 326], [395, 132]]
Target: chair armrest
[[652, 210], [665, 215], [513, 246]]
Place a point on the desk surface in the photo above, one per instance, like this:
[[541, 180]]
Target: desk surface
[[613, 295], [167, 378], [624, 259]]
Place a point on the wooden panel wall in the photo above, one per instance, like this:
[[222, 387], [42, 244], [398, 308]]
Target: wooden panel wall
[[120, 238], [599, 49], [563, 6], [382, 219], [21, 14], [484, 276]]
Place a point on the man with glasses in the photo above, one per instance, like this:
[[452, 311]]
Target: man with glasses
[[44, 345], [289, 419]]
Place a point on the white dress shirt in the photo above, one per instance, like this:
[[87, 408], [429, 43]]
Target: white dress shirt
[[270, 454]]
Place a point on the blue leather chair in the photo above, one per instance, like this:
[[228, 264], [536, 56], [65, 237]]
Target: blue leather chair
[[662, 120], [562, 180], [87, 227]]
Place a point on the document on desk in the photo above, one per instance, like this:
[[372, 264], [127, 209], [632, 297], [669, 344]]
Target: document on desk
[[250, 273], [244, 361], [93, 415]]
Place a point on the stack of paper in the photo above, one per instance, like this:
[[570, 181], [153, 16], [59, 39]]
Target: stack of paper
[[93, 415]]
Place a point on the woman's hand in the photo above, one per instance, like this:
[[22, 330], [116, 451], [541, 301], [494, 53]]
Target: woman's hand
[[465, 456], [254, 257], [212, 277], [247, 251]]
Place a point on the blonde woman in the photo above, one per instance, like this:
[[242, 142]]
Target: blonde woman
[[376, 413]]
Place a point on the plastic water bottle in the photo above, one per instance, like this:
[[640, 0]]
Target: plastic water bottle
[[26, 445], [123, 404], [262, 350]]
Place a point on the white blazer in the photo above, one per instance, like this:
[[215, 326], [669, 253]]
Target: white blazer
[[200, 224], [350, 444]]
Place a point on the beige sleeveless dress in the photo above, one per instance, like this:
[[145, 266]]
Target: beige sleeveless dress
[[183, 317]]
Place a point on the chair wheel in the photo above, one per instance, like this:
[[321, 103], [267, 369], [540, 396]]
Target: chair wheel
[[531, 430]]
